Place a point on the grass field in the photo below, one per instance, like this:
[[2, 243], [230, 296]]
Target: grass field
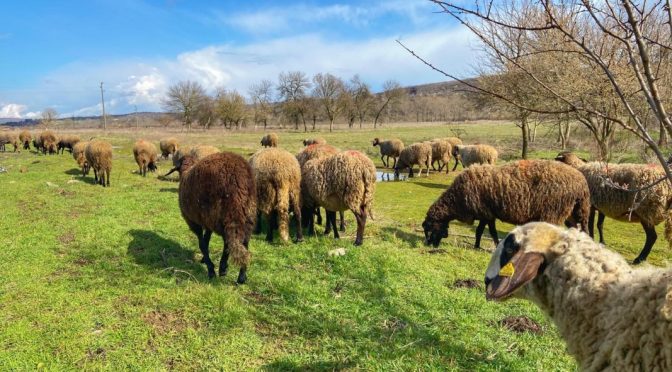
[[96, 278]]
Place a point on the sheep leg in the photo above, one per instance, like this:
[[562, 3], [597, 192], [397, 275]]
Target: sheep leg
[[203, 245], [272, 224], [479, 233], [361, 224], [95, 175], [224, 261], [493, 231], [319, 216], [395, 162], [591, 222], [257, 227], [242, 274], [327, 225], [600, 224], [382, 158], [107, 177], [456, 161], [342, 227], [410, 172], [297, 217], [331, 223], [651, 237], [310, 220]]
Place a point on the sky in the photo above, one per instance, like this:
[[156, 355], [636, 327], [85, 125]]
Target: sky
[[56, 53]]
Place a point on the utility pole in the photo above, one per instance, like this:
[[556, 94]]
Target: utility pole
[[102, 99], [136, 116]]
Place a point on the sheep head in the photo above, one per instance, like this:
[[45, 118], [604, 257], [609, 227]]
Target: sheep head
[[521, 257], [375, 142], [434, 231], [182, 165], [570, 158]]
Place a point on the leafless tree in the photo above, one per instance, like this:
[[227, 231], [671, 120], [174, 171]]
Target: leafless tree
[[183, 99], [262, 101], [293, 88], [49, 115], [362, 99], [328, 89], [231, 108], [205, 113], [392, 93]]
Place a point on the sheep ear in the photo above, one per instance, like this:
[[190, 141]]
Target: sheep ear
[[522, 269]]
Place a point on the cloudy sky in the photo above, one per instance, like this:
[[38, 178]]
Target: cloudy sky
[[55, 54]]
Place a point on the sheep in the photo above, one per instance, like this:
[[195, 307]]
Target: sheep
[[168, 147], [343, 181], [517, 193], [270, 140], [198, 152], [611, 316], [318, 151], [277, 175], [145, 156], [389, 148], [78, 153], [649, 208], [474, 154], [9, 138], [99, 156], [218, 194], [67, 142], [180, 153], [417, 153], [314, 141], [37, 143], [441, 150], [25, 137], [48, 142]]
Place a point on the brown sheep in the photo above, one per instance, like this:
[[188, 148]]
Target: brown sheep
[[168, 147], [99, 156], [9, 138], [145, 156], [218, 194], [417, 153], [49, 142], [441, 150], [474, 154], [78, 153], [197, 152], [343, 181], [25, 137], [270, 140], [179, 153], [277, 175], [67, 142], [389, 148], [314, 141], [517, 193]]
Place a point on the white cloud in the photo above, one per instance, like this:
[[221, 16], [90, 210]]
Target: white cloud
[[11, 111]]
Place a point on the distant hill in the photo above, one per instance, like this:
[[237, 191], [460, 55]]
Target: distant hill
[[13, 122], [445, 88]]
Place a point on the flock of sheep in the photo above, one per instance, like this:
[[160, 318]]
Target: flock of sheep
[[611, 315]]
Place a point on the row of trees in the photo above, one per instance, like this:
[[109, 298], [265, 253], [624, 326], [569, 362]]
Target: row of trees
[[302, 102]]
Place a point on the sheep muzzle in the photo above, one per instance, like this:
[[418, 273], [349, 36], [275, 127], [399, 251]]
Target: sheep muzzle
[[520, 270]]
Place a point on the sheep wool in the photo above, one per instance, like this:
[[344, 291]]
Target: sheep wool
[[168, 147], [441, 150], [315, 151], [611, 316], [145, 156], [78, 153], [474, 154], [49, 142], [99, 156], [25, 137], [391, 148], [10, 138], [417, 153]]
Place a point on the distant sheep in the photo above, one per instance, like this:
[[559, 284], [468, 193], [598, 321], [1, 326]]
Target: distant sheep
[[78, 153], [168, 147], [25, 137], [270, 140], [48, 142], [517, 193], [99, 156], [441, 151], [9, 138], [145, 156], [417, 153], [277, 175], [67, 142], [225, 180], [389, 148], [314, 141], [474, 154]]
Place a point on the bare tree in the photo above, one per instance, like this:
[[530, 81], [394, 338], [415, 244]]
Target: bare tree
[[392, 93], [362, 99], [292, 88], [205, 114], [262, 101], [183, 99], [231, 108], [328, 89], [49, 115]]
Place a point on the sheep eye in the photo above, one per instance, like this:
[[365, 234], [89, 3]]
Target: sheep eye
[[509, 251]]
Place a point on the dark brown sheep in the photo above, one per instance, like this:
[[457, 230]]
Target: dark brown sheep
[[517, 193], [145, 156], [67, 142], [218, 194], [99, 156], [49, 142], [270, 140]]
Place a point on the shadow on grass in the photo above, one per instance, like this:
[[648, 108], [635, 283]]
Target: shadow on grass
[[78, 172], [288, 365], [158, 253], [166, 189], [415, 240], [431, 185]]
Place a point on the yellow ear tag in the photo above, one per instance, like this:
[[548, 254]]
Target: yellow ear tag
[[507, 270]]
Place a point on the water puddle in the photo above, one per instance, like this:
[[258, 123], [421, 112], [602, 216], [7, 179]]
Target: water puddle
[[382, 176]]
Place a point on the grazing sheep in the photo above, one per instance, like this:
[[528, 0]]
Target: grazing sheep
[[9, 138], [270, 140], [474, 154], [145, 156], [343, 181], [314, 141], [277, 175], [99, 156], [389, 148], [517, 193], [611, 316], [168, 147], [417, 153], [37, 142], [67, 142], [441, 151], [179, 153], [218, 194], [649, 208], [25, 137], [318, 151], [48, 142], [78, 153]]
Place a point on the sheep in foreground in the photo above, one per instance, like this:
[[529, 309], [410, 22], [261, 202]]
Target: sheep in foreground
[[270, 140], [168, 147], [11, 139], [517, 193], [474, 154], [78, 153], [649, 208], [417, 153], [314, 141], [67, 142], [99, 156], [277, 175], [25, 137], [441, 151], [48, 142], [145, 156], [311, 152], [389, 148], [343, 181], [217, 194], [611, 316]]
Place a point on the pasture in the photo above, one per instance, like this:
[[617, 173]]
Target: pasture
[[109, 278]]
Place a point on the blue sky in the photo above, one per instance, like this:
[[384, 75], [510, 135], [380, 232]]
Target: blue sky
[[56, 53]]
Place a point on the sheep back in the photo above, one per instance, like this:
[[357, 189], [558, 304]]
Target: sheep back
[[315, 151], [477, 154], [168, 146], [417, 153]]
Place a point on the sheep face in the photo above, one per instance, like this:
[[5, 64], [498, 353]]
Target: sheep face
[[520, 258], [375, 142], [434, 232]]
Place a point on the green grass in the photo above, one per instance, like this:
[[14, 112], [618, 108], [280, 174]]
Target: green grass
[[96, 278]]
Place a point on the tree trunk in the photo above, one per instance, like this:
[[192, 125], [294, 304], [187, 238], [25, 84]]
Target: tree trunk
[[524, 126], [662, 140], [331, 125]]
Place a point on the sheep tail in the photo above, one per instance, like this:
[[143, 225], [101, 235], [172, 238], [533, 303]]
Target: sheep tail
[[238, 254], [368, 193], [668, 227]]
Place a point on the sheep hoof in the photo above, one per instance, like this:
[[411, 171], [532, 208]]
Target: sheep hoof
[[358, 243], [298, 240], [242, 278], [342, 229], [223, 272], [211, 274], [637, 261]]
